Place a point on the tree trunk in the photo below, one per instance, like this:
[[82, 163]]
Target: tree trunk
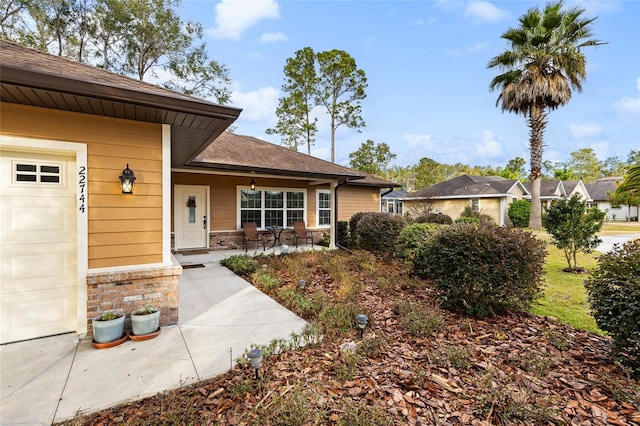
[[537, 123]]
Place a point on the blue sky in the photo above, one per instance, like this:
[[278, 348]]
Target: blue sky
[[428, 85]]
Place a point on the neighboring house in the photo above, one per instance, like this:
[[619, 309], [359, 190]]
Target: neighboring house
[[600, 192], [392, 202], [73, 245], [573, 187], [550, 190], [490, 195], [287, 186]]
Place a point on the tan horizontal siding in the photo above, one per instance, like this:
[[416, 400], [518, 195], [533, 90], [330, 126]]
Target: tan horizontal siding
[[355, 199], [111, 144], [491, 207]]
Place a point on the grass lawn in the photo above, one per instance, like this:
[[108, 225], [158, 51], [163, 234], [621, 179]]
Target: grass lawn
[[565, 297]]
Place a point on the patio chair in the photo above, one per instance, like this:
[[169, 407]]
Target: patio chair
[[300, 233], [251, 234]]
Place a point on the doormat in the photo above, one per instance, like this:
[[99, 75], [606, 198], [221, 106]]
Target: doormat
[[192, 252], [192, 266]]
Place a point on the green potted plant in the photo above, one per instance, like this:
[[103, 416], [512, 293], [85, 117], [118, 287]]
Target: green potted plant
[[145, 321], [108, 327]]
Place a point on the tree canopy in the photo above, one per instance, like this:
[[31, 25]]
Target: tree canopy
[[371, 158], [144, 39]]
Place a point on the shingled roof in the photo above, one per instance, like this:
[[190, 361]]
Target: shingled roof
[[601, 189], [549, 188], [31, 77], [468, 186], [246, 154]]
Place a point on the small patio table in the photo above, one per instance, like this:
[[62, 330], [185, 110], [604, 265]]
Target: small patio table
[[276, 231]]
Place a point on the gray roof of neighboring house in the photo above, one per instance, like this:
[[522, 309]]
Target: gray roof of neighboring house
[[548, 188], [600, 189], [467, 185], [246, 154], [395, 194], [34, 78]]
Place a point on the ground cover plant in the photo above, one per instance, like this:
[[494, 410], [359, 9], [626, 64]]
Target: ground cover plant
[[415, 364]]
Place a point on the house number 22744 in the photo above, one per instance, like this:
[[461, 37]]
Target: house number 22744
[[82, 183]]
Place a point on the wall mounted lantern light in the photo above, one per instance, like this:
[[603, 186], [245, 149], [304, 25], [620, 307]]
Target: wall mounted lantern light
[[252, 185], [126, 180]]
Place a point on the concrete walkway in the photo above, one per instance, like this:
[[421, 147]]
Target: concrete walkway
[[609, 240], [51, 379]]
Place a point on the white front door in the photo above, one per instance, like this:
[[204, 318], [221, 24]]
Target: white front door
[[190, 212], [38, 245]]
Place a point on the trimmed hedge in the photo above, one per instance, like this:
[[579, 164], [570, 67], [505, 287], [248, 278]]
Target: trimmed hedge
[[440, 218], [378, 232], [343, 233], [483, 269], [353, 225], [519, 212], [413, 238], [614, 295]]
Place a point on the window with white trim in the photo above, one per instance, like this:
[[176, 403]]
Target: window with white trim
[[271, 206], [323, 207]]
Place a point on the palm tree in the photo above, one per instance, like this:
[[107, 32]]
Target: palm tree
[[542, 65], [631, 182]]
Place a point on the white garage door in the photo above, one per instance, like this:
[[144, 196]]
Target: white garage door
[[38, 276]]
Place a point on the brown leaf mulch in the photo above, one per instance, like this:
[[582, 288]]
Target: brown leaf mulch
[[516, 369]]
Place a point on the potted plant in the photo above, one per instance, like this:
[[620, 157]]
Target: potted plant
[[108, 328], [145, 321]]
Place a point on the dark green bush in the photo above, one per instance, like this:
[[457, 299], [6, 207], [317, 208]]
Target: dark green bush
[[343, 233], [240, 264], [614, 296], [413, 237], [440, 218], [469, 212], [483, 269], [353, 225], [519, 212], [467, 219], [378, 232]]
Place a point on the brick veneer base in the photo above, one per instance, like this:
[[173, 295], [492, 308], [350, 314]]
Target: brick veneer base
[[124, 291]]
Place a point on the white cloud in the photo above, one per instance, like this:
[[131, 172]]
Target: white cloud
[[463, 149], [258, 105], [273, 37], [485, 11], [581, 131], [628, 106], [474, 48], [490, 147], [234, 17]]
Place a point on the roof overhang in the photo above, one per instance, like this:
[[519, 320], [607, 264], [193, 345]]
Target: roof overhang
[[194, 122]]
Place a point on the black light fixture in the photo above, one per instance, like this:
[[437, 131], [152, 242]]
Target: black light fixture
[[191, 202], [361, 320], [252, 184], [127, 179], [255, 359]]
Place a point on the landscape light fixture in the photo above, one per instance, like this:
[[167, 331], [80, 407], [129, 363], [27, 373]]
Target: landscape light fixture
[[255, 359], [264, 267], [252, 185], [362, 320], [302, 284], [127, 179]]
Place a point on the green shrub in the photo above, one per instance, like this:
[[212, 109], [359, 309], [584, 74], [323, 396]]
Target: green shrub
[[519, 212], [342, 232], [240, 264], [614, 296], [353, 225], [412, 238], [440, 218], [469, 212], [483, 269], [467, 219], [378, 232]]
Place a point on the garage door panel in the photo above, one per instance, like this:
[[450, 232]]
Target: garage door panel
[[25, 219], [42, 313], [36, 268]]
